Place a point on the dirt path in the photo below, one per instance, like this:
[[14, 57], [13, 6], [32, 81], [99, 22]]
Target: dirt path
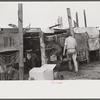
[[87, 72]]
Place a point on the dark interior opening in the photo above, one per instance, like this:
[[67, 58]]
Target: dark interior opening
[[94, 55]]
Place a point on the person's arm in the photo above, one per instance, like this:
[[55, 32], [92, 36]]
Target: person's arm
[[76, 46], [65, 46]]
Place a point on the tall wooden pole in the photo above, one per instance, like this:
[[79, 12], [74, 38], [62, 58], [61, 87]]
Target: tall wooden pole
[[42, 48], [87, 51], [77, 19], [85, 18], [75, 24], [99, 47], [20, 26], [59, 20], [70, 21]]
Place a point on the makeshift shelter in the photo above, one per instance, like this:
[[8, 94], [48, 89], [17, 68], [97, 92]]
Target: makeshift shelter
[[32, 48], [9, 46], [92, 39], [54, 41], [59, 33], [93, 36], [9, 49]]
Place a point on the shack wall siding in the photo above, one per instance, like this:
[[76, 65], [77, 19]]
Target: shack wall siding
[[9, 42]]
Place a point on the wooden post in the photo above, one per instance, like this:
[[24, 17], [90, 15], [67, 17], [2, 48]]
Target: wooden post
[[20, 26], [99, 47], [77, 19], [42, 48], [70, 21], [59, 20], [75, 24], [87, 51], [85, 18]]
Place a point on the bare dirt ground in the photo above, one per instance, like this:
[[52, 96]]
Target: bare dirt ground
[[86, 72]]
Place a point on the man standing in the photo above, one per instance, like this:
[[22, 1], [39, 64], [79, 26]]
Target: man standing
[[70, 49]]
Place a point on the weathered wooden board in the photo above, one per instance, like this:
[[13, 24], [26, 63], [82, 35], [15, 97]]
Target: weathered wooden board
[[9, 41]]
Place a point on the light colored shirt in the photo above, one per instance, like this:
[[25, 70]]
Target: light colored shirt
[[70, 42]]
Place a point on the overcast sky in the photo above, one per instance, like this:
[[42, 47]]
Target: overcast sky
[[45, 14]]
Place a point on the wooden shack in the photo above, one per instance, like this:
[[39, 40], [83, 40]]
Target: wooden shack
[[9, 44]]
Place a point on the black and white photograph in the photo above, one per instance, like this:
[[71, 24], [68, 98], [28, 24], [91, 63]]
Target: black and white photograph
[[50, 49], [49, 41]]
